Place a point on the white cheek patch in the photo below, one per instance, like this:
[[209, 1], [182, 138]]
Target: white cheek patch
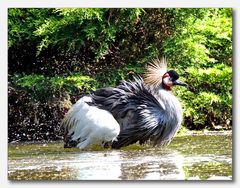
[[167, 81]]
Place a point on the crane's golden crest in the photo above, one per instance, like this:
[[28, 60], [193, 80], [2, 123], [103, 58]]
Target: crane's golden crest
[[154, 72]]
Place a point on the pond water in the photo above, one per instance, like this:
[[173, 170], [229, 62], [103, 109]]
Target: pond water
[[193, 157]]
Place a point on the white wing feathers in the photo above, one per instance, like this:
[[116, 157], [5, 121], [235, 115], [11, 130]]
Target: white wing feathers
[[89, 125]]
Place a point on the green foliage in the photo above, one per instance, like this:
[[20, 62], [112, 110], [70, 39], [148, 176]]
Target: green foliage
[[22, 22], [71, 28], [202, 53], [202, 42], [210, 93], [43, 89]]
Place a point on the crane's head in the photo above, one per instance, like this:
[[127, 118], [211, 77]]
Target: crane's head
[[170, 78], [157, 75]]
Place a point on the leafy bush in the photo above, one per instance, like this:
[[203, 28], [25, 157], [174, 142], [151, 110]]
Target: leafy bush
[[208, 100], [202, 42], [44, 89], [202, 52], [37, 104]]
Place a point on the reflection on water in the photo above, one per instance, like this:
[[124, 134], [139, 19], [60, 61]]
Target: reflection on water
[[152, 164], [187, 157]]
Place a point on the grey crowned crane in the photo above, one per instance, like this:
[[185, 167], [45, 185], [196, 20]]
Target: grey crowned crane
[[142, 110]]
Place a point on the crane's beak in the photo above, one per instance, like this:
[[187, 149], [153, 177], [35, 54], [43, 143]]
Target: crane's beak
[[180, 83]]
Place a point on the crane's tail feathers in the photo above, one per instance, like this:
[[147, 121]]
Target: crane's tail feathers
[[86, 124], [70, 122]]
